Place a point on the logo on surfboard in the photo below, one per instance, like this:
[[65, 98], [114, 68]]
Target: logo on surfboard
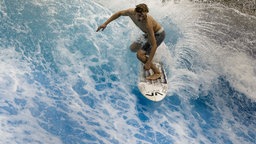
[[154, 94]]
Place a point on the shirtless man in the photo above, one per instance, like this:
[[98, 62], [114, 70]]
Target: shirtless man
[[153, 34]]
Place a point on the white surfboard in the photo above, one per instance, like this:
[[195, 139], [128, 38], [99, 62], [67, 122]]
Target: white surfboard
[[154, 90]]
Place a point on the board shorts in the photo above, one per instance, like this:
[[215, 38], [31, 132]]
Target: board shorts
[[146, 46]]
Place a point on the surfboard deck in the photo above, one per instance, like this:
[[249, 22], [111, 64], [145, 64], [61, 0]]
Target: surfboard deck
[[154, 90]]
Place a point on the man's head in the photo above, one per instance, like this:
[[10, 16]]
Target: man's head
[[141, 11], [141, 8]]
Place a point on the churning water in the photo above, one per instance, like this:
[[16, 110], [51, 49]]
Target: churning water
[[61, 82]]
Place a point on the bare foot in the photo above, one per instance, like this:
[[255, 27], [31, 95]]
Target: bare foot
[[154, 76]]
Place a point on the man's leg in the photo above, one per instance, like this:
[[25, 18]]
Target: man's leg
[[141, 55], [135, 46]]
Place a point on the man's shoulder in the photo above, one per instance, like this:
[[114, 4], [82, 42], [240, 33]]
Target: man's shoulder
[[150, 18], [152, 24], [131, 10], [127, 12]]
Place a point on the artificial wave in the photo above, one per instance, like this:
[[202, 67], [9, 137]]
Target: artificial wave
[[61, 82]]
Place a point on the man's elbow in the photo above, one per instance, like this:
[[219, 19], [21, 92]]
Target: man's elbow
[[118, 14], [154, 46]]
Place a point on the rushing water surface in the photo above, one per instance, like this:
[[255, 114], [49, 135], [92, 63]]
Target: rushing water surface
[[61, 82]]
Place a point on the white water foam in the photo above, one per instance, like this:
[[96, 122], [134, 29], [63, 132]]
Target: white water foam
[[91, 90]]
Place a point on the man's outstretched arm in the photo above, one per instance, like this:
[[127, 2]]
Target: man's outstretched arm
[[113, 17]]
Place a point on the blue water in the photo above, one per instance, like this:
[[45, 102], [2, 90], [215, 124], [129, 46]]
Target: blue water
[[61, 82]]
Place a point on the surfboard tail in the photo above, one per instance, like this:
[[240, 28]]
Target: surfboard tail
[[154, 90]]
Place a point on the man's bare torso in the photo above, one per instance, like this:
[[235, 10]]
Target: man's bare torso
[[143, 24], [149, 26]]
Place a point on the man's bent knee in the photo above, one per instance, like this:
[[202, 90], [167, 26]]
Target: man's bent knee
[[134, 47]]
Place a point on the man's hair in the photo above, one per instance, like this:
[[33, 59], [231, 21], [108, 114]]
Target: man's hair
[[141, 8]]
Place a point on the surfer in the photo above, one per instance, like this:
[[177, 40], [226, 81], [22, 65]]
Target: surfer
[[147, 44]]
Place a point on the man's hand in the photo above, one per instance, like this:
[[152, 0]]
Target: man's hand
[[103, 26], [147, 65]]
